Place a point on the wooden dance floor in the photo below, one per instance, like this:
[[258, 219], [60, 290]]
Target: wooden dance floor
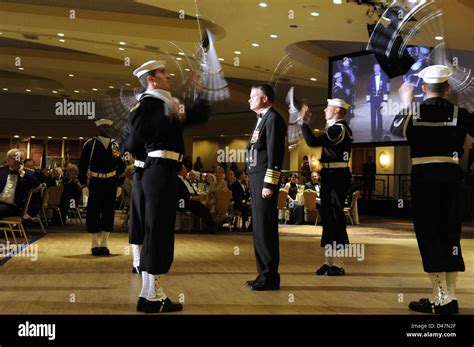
[[209, 272]]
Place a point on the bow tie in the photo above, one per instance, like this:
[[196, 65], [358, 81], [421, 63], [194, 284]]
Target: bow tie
[[260, 115]]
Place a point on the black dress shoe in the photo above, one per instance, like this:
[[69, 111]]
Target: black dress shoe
[[250, 283], [336, 271], [95, 251], [104, 251], [161, 306], [262, 286], [424, 305], [136, 270], [323, 270], [141, 304]]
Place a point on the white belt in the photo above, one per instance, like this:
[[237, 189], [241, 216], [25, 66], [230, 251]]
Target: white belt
[[336, 165], [102, 175], [430, 160], [166, 155], [139, 163]]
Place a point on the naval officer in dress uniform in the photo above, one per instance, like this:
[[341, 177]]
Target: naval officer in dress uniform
[[158, 124], [136, 227], [436, 131], [336, 145], [101, 168], [266, 149]]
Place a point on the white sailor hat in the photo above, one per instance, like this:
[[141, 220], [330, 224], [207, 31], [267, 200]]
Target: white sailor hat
[[435, 74], [339, 103], [337, 75], [103, 121], [149, 66]]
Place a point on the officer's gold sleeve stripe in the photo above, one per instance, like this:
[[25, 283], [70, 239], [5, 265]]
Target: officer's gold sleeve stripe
[[273, 175], [273, 181]]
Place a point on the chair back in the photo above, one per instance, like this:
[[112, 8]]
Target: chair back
[[282, 197], [53, 196], [309, 198], [355, 196], [85, 196], [26, 205], [223, 201]]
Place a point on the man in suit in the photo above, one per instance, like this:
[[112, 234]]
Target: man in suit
[[15, 182], [189, 200], [314, 185], [265, 150], [241, 198], [102, 168], [378, 89]]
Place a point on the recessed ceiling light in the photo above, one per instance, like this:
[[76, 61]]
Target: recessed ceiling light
[[71, 75], [121, 49], [5, 89], [76, 91], [313, 79], [81, 138], [337, 2], [178, 58], [439, 38], [273, 36], [50, 137], [180, 53], [94, 89], [122, 43], [60, 34], [28, 90], [16, 136], [55, 92], [1, 33], [237, 52], [21, 68], [315, 14], [255, 44], [221, 59], [187, 70], [33, 136], [62, 40], [65, 137], [128, 84], [172, 74], [262, 4], [111, 87]]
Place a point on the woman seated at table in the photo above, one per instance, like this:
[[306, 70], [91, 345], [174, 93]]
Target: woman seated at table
[[294, 205], [217, 186]]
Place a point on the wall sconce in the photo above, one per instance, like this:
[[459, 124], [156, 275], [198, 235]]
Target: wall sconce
[[384, 160]]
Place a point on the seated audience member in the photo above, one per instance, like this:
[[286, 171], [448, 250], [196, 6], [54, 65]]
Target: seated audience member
[[208, 180], [219, 184], [37, 198], [241, 198], [58, 176], [193, 177], [296, 209], [72, 192], [284, 181], [189, 196], [314, 185], [230, 178], [15, 183]]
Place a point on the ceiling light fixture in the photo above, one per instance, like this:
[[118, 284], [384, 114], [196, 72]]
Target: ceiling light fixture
[[315, 14], [71, 75], [187, 69], [337, 2], [237, 52], [255, 44], [5, 89], [121, 49], [55, 92], [313, 79], [439, 38], [94, 89], [76, 91], [61, 34], [221, 59], [111, 87], [263, 5], [61, 40], [178, 58], [81, 138], [65, 137], [122, 43], [172, 74], [21, 68], [180, 53], [33, 136], [50, 137], [16, 136], [28, 90], [273, 36], [128, 84]]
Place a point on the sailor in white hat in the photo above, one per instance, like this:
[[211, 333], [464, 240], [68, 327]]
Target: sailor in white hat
[[336, 144], [436, 132], [101, 168], [156, 124]]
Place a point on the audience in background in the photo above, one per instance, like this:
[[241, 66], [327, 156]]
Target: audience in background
[[230, 178], [306, 168], [296, 209], [234, 167], [241, 198], [219, 184], [72, 192], [198, 166]]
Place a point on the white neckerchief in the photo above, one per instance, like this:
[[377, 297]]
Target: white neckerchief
[[105, 141], [162, 95], [330, 122]]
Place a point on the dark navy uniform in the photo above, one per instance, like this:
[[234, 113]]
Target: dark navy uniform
[[105, 169], [136, 230], [436, 135], [157, 127], [266, 149], [336, 145]]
